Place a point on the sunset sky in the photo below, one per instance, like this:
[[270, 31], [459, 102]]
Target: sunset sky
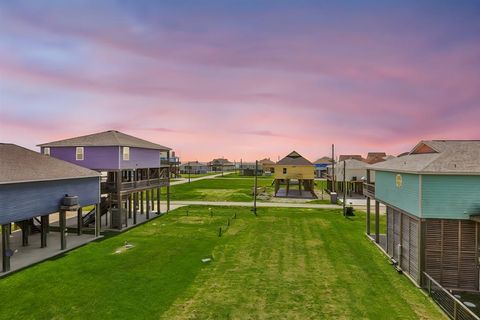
[[242, 79]]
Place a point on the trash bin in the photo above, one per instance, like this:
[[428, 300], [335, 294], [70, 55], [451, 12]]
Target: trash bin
[[333, 197]]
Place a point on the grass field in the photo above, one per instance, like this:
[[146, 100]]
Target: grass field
[[217, 190], [283, 264], [223, 189], [198, 175]]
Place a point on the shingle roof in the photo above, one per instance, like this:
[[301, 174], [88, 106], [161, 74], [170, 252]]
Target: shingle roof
[[18, 164], [351, 164], [107, 138], [451, 157], [294, 158], [350, 156], [266, 161], [323, 160]]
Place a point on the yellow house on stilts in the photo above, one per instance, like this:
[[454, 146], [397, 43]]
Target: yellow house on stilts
[[295, 173]]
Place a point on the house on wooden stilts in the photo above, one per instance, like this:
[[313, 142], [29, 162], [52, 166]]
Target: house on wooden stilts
[[295, 173], [133, 172], [432, 199], [33, 204]]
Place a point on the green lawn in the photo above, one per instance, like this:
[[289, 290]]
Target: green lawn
[[237, 175], [198, 175], [217, 190], [283, 264]]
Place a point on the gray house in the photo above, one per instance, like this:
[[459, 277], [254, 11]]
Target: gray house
[[33, 186]]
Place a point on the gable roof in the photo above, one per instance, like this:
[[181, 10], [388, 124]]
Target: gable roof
[[294, 158], [266, 161], [323, 160], [351, 164], [220, 162], [18, 164], [350, 156], [443, 157], [106, 138]]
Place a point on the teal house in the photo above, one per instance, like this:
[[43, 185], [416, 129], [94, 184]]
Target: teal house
[[432, 200]]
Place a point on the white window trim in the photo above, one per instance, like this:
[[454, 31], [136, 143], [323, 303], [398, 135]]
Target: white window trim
[[126, 155], [46, 151], [79, 153]]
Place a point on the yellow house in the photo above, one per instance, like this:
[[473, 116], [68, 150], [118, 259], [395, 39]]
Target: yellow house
[[294, 170]]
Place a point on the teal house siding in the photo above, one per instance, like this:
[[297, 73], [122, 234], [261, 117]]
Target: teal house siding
[[450, 197], [405, 197]]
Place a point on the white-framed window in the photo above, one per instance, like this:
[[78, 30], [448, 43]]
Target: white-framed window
[[79, 153], [126, 153], [46, 151]]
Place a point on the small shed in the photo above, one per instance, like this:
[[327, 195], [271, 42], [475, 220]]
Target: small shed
[[32, 187]]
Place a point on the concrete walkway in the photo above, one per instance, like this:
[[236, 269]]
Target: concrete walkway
[[259, 204], [185, 180]]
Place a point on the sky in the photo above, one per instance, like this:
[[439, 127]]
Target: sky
[[242, 79]]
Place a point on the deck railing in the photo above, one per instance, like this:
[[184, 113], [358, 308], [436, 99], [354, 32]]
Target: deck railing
[[369, 189], [453, 307]]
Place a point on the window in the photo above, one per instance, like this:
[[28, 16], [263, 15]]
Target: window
[[284, 170], [46, 151], [126, 153], [79, 153]]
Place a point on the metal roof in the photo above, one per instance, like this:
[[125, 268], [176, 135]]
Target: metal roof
[[107, 138], [18, 164], [449, 157], [295, 159]]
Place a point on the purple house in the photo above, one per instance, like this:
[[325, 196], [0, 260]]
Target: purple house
[[132, 169]]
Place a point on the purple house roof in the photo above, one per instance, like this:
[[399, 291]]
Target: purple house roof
[[103, 139]]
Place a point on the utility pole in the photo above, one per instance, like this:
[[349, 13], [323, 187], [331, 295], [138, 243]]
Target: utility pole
[[255, 189], [333, 167], [344, 187]]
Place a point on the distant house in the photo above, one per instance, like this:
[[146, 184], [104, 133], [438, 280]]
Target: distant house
[[355, 174], [350, 156], [32, 187], [248, 168], [132, 169], [321, 166], [267, 166], [194, 167], [375, 157], [221, 164], [294, 172], [432, 196]]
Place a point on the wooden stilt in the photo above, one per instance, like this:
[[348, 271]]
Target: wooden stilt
[[98, 221], [129, 206], [126, 212], [147, 204], [79, 222], [6, 247], [152, 198], [43, 231], [368, 216], [135, 207], [158, 200], [377, 222], [25, 232], [62, 222], [141, 202]]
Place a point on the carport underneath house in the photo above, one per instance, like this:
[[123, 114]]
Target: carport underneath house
[[32, 188]]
